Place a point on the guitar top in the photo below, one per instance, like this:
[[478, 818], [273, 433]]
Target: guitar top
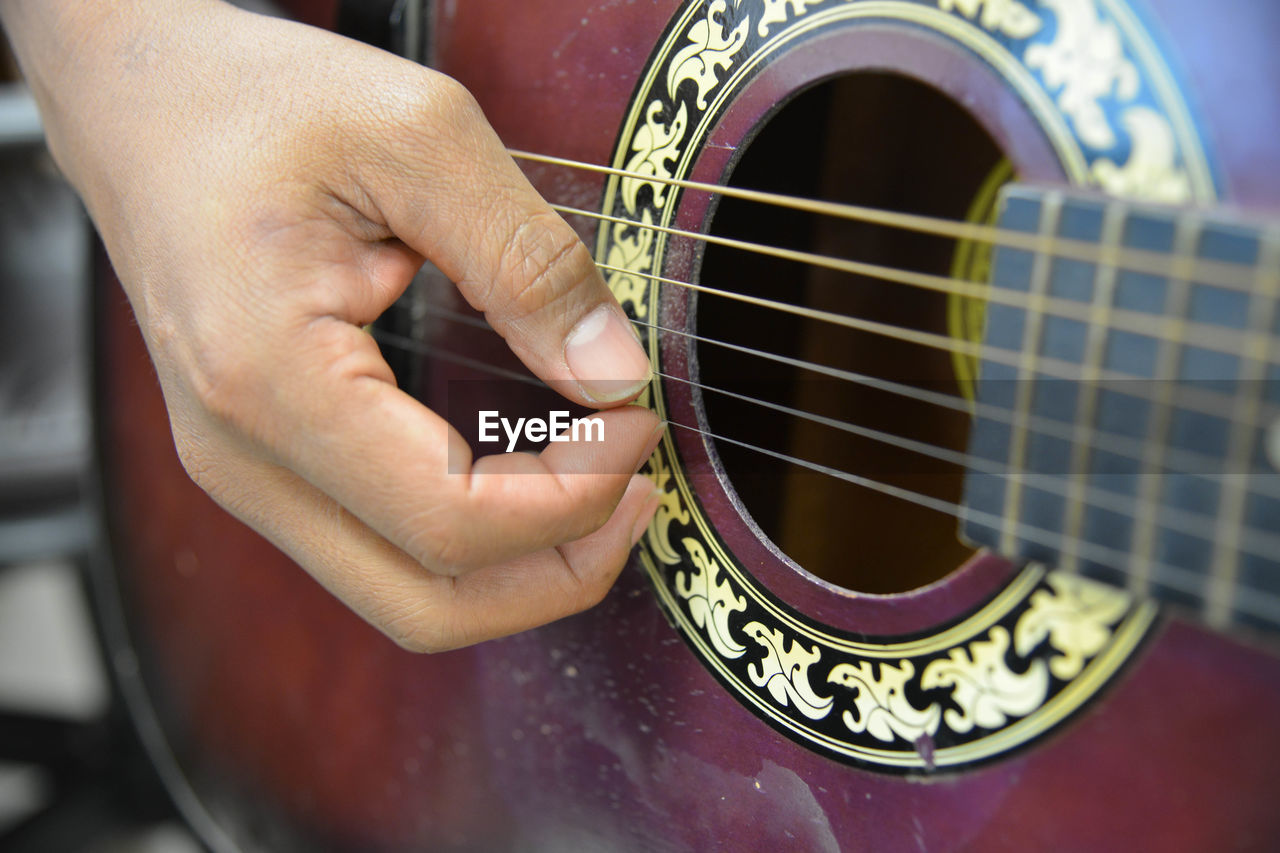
[[970, 535]]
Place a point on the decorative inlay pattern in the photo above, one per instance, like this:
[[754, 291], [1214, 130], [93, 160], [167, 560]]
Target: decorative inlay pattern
[[1093, 78]]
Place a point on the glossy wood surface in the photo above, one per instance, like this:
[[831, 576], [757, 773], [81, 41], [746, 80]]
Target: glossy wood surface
[[308, 729]]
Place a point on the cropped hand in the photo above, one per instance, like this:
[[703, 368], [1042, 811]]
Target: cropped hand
[[264, 190]]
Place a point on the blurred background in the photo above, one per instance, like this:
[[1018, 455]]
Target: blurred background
[[72, 774]]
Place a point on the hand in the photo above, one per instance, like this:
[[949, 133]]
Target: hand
[[264, 189]]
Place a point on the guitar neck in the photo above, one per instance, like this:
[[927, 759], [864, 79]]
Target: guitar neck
[[1127, 420]]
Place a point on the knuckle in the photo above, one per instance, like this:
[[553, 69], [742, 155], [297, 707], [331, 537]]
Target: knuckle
[[223, 382], [205, 462], [440, 547], [195, 457], [452, 555], [544, 261], [448, 103], [337, 352], [420, 628], [413, 636]]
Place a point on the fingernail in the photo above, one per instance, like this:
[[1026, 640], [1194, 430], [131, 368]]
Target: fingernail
[[605, 357], [645, 516], [652, 444]]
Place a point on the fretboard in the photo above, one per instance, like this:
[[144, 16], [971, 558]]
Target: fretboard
[[1127, 415]]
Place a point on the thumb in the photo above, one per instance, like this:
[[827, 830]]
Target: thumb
[[457, 198]]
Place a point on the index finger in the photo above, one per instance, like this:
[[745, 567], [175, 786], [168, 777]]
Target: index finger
[[385, 457]]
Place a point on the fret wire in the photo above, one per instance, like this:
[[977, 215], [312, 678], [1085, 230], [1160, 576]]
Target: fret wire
[[1227, 274], [1255, 542], [1177, 301], [1231, 499], [1104, 285], [1204, 335], [1264, 604], [1050, 215]]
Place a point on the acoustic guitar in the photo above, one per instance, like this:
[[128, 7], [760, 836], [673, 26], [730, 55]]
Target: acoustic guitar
[[964, 314]]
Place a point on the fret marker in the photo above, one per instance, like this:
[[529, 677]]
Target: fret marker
[[1273, 444]]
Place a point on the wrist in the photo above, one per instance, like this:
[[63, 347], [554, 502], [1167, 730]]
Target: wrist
[[90, 67]]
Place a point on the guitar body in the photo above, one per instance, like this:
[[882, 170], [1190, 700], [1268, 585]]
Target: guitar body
[[722, 697]]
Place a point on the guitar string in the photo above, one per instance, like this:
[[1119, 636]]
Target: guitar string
[[1259, 602], [1192, 398], [1178, 460], [1206, 336], [1256, 542], [1226, 274]]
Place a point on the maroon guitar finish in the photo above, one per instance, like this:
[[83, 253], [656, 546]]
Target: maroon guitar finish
[[299, 727]]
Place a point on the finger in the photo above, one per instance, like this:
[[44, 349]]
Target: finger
[[526, 492], [448, 188], [387, 458], [419, 610], [554, 583]]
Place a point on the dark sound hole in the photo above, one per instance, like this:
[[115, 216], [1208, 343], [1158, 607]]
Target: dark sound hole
[[883, 141]]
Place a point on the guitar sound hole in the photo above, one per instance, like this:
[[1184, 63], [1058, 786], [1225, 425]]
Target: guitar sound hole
[[882, 141]]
